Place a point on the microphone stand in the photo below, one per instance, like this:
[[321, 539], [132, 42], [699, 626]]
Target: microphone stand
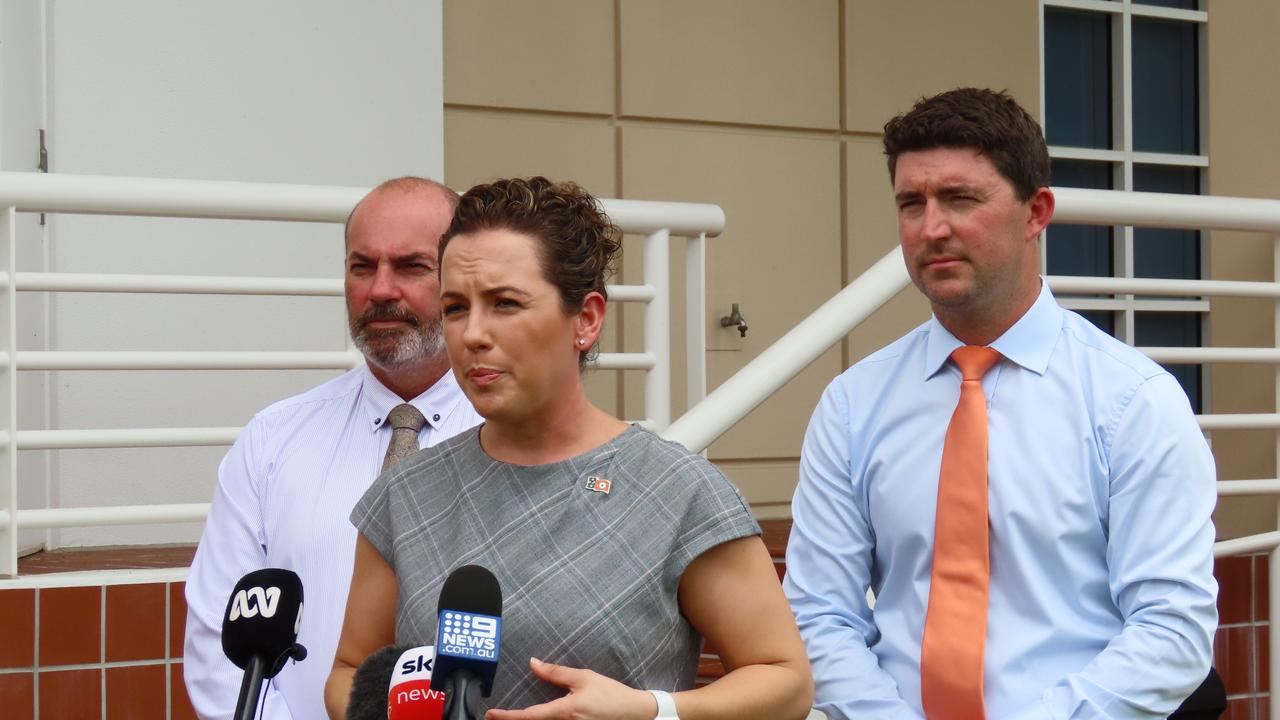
[[250, 688], [461, 695]]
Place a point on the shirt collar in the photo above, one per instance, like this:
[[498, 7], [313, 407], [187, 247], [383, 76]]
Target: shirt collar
[[1028, 343], [435, 403]]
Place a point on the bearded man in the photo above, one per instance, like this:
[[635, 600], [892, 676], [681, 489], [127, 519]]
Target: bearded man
[[286, 487]]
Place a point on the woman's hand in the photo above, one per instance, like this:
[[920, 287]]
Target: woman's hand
[[592, 696]]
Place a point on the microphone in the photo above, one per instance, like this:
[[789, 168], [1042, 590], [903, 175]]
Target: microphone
[[260, 630], [410, 696], [468, 638], [394, 683]]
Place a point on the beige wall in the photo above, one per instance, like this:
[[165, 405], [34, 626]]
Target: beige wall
[[774, 111], [1244, 151], [771, 110]]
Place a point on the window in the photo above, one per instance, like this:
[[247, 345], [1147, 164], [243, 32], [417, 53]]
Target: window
[[1123, 110]]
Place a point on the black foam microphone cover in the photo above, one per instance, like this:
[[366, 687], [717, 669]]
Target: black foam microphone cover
[[368, 700], [262, 619], [469, 590]]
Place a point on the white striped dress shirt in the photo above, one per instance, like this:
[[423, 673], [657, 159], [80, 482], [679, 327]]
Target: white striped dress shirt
[[285, 490]]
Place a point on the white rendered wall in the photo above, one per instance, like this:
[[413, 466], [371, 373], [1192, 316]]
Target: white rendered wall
[[298, 91], [21, 117]]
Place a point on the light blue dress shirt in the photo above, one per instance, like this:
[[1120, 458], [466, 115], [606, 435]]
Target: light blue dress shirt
[[1101, 489]]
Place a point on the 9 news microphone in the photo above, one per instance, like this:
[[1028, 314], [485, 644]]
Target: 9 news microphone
[[260, 630], [394, 683], [468, 636]]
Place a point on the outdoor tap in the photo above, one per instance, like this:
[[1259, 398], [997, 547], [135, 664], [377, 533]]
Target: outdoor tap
[[735, 319]]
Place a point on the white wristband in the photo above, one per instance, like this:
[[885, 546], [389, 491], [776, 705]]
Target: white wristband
[[666, 706]]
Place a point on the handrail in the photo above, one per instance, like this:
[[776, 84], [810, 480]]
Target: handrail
[[24, 192], [1165, 210], [157, 197], [794, 351]]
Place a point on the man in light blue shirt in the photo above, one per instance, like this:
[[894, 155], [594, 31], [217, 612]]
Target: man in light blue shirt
[[1100, 485]]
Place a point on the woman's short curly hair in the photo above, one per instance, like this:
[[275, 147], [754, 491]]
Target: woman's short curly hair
[[578, 246]]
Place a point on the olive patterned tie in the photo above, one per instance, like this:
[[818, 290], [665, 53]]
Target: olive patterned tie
[[405, 421]]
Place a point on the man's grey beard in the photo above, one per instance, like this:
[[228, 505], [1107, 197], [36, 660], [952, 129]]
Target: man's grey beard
[[398, 347]]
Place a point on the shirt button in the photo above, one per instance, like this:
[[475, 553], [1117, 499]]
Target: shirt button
[[436, 417]]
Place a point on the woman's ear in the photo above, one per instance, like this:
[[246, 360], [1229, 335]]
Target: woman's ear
[[589, 321]]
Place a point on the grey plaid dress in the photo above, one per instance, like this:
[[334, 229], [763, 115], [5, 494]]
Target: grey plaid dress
[[589, 579]]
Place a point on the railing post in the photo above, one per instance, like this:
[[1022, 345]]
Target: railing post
[[9, 396], [1273, 557], [695, 300], [657, 329]]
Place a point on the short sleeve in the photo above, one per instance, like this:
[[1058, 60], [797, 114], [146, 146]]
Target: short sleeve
[[372, 515], [715, 512]]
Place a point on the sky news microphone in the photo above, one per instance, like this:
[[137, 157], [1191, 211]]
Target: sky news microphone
[[395, 684], [468, 637], [260, 630]]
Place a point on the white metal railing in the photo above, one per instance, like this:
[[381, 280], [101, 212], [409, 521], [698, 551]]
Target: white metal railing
[[707, 418], [764, 375], [95, 195]]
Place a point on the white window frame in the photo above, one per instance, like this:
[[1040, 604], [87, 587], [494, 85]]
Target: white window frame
[[1124, 157]]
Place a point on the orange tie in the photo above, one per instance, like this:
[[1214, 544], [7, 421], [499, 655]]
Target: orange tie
[[955, 627]]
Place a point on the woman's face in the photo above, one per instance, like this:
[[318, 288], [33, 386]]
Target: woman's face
[[511, 345]]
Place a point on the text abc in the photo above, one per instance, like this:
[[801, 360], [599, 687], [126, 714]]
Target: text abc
[[251, 602]]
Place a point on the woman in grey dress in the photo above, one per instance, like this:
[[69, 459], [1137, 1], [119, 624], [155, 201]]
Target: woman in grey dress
[[617, 551]]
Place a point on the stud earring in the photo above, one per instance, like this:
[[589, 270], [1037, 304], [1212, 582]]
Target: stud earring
[[582, 341]]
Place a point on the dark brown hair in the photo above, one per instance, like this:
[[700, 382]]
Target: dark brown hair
[[578, 246], [991, 122]]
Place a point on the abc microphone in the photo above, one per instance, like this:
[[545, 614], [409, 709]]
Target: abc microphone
[[260, 630], [468, 636], [394, 683]]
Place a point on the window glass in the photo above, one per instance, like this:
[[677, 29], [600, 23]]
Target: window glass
[[1169, 329], [1179, 4], [1077, 78], [1159, 253], [1105, 321], [1080, 249], [1165, 90]]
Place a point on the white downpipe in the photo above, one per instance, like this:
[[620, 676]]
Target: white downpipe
[[657, 329], [770, 370]]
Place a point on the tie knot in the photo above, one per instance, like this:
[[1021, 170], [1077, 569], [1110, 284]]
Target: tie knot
[[406, 416], [975, 361]]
